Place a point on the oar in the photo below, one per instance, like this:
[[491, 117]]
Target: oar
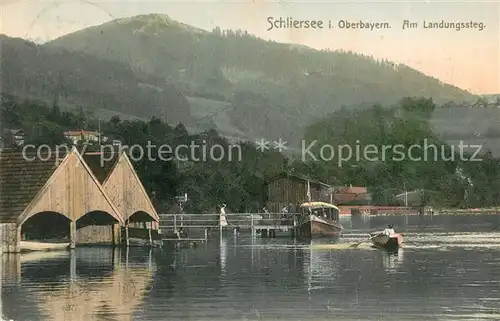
[[359, 243]]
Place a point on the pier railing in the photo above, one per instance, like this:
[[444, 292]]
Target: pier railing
[[173, 223]]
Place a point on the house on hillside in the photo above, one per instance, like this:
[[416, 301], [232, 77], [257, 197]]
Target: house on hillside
[[86, 136], [13, 137], [351, 195], [286, 189]]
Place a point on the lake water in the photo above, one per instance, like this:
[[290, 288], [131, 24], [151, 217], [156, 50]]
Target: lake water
[[444, 272]]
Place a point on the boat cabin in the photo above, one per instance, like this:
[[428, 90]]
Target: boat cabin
[[321, 210]]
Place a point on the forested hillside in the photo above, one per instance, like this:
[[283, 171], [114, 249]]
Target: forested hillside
[[262, 88], [77, 79], [237, 182], [155, 73], [240, 183], [451, 180]]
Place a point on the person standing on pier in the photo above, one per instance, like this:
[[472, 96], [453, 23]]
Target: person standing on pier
[[267, 215], [223, 218], [284, 215]]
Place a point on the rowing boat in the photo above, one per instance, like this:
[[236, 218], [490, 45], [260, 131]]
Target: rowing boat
[[30, 246], [392, 242]]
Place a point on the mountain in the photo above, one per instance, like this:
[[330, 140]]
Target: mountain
[[77, 79], [249, 85], [242, 85]]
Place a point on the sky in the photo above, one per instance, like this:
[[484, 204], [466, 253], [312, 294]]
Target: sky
[[469, 59]]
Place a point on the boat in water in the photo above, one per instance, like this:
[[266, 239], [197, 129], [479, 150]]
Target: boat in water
[[389, 242], [319, 219], [33, 246]]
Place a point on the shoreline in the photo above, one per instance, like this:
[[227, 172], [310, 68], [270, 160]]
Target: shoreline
[[437, 213]]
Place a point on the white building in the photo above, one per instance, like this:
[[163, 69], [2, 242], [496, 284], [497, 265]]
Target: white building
[[87, 136]]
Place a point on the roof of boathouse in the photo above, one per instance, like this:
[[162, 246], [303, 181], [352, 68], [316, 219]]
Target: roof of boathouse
[[118, 174], [101, 163], [22, 176]]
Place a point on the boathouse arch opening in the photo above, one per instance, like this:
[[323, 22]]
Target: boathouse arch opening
[[141, 219], [96, 227], [141, 216], [46, 226], [96, 218]]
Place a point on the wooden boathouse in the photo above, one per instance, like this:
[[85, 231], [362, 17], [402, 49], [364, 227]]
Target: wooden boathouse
[[56, 196], [286, 189], [120, 181]]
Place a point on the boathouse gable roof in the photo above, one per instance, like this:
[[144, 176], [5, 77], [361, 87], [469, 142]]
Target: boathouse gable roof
[[143, 190], [22, 176], [101, 164], [124, 181], [116, 213], [53, 196]]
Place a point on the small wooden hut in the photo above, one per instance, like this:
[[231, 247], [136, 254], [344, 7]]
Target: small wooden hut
[[287, 189]]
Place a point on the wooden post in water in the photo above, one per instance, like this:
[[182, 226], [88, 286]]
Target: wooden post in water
[[206, 234], [150, 259], [72, 234], [149, 232], [252, 226], [18, 238], [116, 234], [10, 240], [72, 266], [220, 226], [126, 257], [127, 241], [295, 228]]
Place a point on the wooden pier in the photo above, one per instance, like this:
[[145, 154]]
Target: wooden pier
[[199, 227]]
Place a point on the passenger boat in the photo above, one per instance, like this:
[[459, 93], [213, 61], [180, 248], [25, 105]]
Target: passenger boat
[[385, 241], [319, 219]]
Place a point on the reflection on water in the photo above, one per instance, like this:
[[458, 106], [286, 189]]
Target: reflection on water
[[88, 284], [223, 255], [392, 260], [320, 264], [437, 276]]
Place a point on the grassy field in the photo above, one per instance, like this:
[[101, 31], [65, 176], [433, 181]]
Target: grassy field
[[107, 114], [465, 121], [213, 111], [471, 126]]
